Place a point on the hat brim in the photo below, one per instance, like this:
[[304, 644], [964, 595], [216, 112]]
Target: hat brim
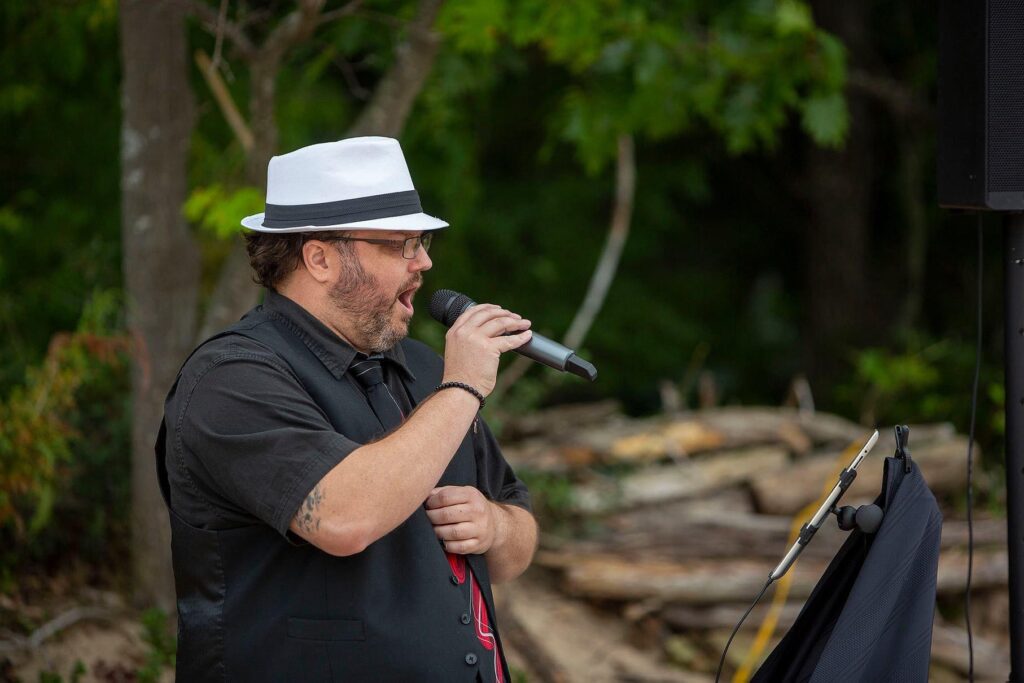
[[414, 221]]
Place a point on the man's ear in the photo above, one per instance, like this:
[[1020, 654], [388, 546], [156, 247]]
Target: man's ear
[[319, 259]]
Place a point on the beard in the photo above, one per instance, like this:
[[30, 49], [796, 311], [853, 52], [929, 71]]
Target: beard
[[359, 295]]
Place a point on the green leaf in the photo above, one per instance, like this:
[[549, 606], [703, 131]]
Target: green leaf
[[826, 119], [792, 17], [218, 211], [473, 25]]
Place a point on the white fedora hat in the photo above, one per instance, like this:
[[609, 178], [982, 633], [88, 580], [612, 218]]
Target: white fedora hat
[[358, 183]]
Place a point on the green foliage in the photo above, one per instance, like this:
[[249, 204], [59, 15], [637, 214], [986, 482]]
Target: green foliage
[[162, 645], [825, 118], [660, 69], [64, 442], [550, 496], [77, 671], [218, 210], [926, 381], [59, 202]]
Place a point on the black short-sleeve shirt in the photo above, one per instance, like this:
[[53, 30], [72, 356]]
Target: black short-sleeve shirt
[[245, 440]]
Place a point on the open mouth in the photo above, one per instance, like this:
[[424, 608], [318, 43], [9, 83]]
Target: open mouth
[[405, 298]]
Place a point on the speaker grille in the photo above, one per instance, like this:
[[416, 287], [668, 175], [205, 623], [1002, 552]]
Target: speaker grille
[[1006, 96]]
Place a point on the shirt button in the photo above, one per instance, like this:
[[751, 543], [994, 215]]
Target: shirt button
[[455, 580], [465, 619], [471, 659]]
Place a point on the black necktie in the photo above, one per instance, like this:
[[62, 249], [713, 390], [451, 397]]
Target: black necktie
[[370, 376]]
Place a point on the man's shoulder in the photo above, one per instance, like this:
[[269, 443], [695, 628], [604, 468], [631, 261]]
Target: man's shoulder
[[230, 351]]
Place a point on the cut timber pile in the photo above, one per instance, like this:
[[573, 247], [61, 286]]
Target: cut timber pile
[[682, 517]]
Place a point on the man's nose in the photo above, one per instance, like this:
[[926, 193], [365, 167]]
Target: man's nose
[[422, 261]]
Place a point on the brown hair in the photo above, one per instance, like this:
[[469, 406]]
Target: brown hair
[[274, 256]]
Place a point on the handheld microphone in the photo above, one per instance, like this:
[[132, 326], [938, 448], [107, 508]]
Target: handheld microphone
[[447, 305]]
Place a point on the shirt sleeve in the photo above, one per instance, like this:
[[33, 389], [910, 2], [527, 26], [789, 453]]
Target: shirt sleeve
[[495, 477], [250, 432]]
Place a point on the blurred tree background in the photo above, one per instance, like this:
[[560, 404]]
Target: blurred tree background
[[783, 223]]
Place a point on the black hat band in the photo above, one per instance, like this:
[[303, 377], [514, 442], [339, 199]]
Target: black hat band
[[342, 211]]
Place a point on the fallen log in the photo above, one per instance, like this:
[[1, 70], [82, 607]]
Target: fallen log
[[658, 438], [787, 490], [688, 618], [749, 425], [724, 535], [579, 642], [706, 534], [949, 648], [658, 484], [704, 582], [560, 419]]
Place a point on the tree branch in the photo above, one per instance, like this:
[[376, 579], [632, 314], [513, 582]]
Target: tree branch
[[345, 10], [294, 28], [618, 231], [392, 100], [218, 43], [607, 264], [51, 628], [224, 100], [902, 101], [211, 21]]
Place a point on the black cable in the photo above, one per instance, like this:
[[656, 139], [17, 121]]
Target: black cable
[[736, 630], [970, 465]]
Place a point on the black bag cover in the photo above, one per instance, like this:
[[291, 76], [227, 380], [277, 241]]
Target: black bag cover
[[870, 617]]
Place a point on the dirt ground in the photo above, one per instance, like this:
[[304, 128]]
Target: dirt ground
[[548, 637], [583, 644]]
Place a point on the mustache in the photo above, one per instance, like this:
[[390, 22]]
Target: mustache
[[415, 281]]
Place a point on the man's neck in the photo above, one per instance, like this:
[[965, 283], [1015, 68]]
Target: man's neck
[[314, 306]]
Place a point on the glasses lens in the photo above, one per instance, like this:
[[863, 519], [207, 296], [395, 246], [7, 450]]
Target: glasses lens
[[413, 244]]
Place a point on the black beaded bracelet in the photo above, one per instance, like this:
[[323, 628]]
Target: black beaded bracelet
[[462, 385]]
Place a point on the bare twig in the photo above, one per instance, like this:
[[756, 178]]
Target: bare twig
[[622, 213], [349, 74], [380, 17], [218, 43], [224, 100], [294, 28], [212, 23], [53, 627], [694, 368], [608, 262], [902, 101], [344, 11]]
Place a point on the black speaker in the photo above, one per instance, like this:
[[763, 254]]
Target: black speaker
[[981, 104]]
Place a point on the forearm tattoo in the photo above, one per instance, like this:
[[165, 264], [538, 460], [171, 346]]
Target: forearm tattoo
[[307, 519]]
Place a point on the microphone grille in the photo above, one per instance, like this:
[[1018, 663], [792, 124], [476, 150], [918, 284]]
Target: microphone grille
[[447, 305]]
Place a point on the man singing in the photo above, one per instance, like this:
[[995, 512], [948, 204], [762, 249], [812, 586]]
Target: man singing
[[338, 509]]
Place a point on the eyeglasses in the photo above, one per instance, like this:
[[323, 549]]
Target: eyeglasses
[[409, 246]]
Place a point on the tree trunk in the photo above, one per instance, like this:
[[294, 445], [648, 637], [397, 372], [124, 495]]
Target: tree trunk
[[160, 259], [838, 192]]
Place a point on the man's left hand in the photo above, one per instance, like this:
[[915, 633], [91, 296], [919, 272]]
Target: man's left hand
[[464, 519]]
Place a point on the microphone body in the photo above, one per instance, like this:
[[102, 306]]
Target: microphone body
[[447, 305]]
